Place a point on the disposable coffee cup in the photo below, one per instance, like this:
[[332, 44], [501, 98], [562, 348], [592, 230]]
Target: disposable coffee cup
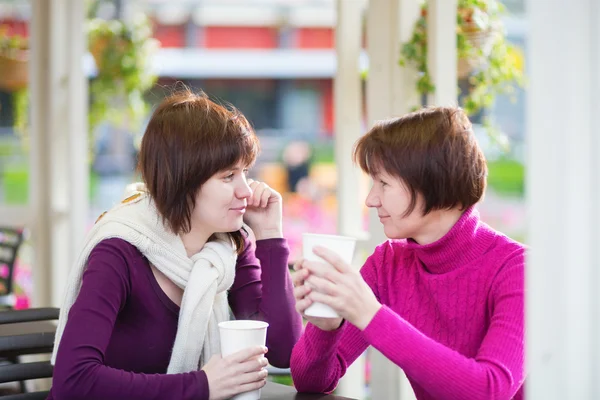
[[343, 246], [239, 335]]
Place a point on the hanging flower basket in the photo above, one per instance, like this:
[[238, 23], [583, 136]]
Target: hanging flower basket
[[13, 72], [485, 57], [122, 52], [107, 52], [481, 43], [14, 58]]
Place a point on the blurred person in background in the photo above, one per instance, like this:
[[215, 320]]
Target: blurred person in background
[[296, 158], [444, 297], [159, 271]]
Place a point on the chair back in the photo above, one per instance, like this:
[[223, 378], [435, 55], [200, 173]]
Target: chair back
[[24, 332], [10, 241]]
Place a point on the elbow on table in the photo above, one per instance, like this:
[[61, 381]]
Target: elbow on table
[[305, 384], [69, 385]]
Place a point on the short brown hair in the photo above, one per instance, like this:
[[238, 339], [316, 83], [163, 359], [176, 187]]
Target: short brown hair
[[433, 151], [188, 139]]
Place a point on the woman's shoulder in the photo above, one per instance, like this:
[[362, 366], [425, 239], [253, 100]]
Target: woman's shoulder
[[507, 250], [391, 248], [116, 247], [387, 254]]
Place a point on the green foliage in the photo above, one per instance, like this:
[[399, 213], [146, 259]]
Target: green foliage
[[20, 99], [122, 53], [480, 40]]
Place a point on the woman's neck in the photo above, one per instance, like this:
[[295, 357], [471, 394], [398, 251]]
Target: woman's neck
[[194, 240], [438, 223]]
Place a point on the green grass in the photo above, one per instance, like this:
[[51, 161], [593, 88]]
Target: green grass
[[281, 379], [506, 177], [15, 181], [15, 184]]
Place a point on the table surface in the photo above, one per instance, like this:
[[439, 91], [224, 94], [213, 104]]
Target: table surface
[[271, 391], [275, 391]]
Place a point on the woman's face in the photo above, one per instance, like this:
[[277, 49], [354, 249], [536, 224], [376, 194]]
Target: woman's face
[[391, 198], [221, 201]]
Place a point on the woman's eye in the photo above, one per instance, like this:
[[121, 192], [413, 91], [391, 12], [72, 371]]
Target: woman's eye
[[230, 176], [246, 171], [383, 183]]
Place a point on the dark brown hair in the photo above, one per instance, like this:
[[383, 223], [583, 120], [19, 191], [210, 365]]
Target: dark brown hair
[[434, 153], [188, 139]]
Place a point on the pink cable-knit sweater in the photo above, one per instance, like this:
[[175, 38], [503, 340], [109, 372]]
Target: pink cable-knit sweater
[[452, 318]]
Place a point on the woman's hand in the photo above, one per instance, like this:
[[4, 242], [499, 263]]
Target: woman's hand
[[264, 212], [342, 288], [301, 292], [238, 373]]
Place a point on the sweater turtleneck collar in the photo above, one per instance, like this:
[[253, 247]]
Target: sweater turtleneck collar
[[466, 241]]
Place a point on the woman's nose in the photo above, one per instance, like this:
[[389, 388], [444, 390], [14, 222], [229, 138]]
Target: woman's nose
[[372, 199], [243, 190]]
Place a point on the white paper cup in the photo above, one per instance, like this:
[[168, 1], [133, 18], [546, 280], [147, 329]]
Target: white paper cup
[[343, 246], [239, 335]]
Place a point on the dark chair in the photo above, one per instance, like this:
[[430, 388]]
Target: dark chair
[[10, 241], [25, 332]]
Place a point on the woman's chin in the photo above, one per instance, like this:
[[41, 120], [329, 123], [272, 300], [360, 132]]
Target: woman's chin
[[237, 225]]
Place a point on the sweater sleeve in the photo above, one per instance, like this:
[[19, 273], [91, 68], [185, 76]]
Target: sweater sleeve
[[80, 372], [321, 358], [263, 290], [496, 372]]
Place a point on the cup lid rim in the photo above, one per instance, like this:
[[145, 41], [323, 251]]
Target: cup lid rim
[[231, 324], [329, 236]]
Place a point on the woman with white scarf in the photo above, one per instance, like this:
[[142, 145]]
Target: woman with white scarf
[[159, 271]]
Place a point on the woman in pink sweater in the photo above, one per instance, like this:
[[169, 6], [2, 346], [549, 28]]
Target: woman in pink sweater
[[443, 298]]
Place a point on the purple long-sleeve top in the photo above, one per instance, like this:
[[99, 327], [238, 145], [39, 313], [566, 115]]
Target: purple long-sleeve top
[[121, 329]]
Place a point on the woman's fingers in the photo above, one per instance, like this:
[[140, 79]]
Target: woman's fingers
[[321, 285], [249, 354], [252, 386], [322, 270], [301, 291], [299, 277], [253, 365], [302, 305], [261, 193], [265, 196]]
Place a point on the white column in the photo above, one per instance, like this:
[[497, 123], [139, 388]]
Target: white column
[[563, 194], [390, 92], [348, 112], [78, 131], [39, 158], [59, 155], [441, 51]]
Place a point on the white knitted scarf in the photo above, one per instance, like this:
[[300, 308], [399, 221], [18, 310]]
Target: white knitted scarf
[[205, 277]]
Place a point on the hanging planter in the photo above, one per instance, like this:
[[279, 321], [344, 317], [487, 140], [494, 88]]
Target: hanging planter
[[14, 59], [481, 42], [122, 53], [485, 57]]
